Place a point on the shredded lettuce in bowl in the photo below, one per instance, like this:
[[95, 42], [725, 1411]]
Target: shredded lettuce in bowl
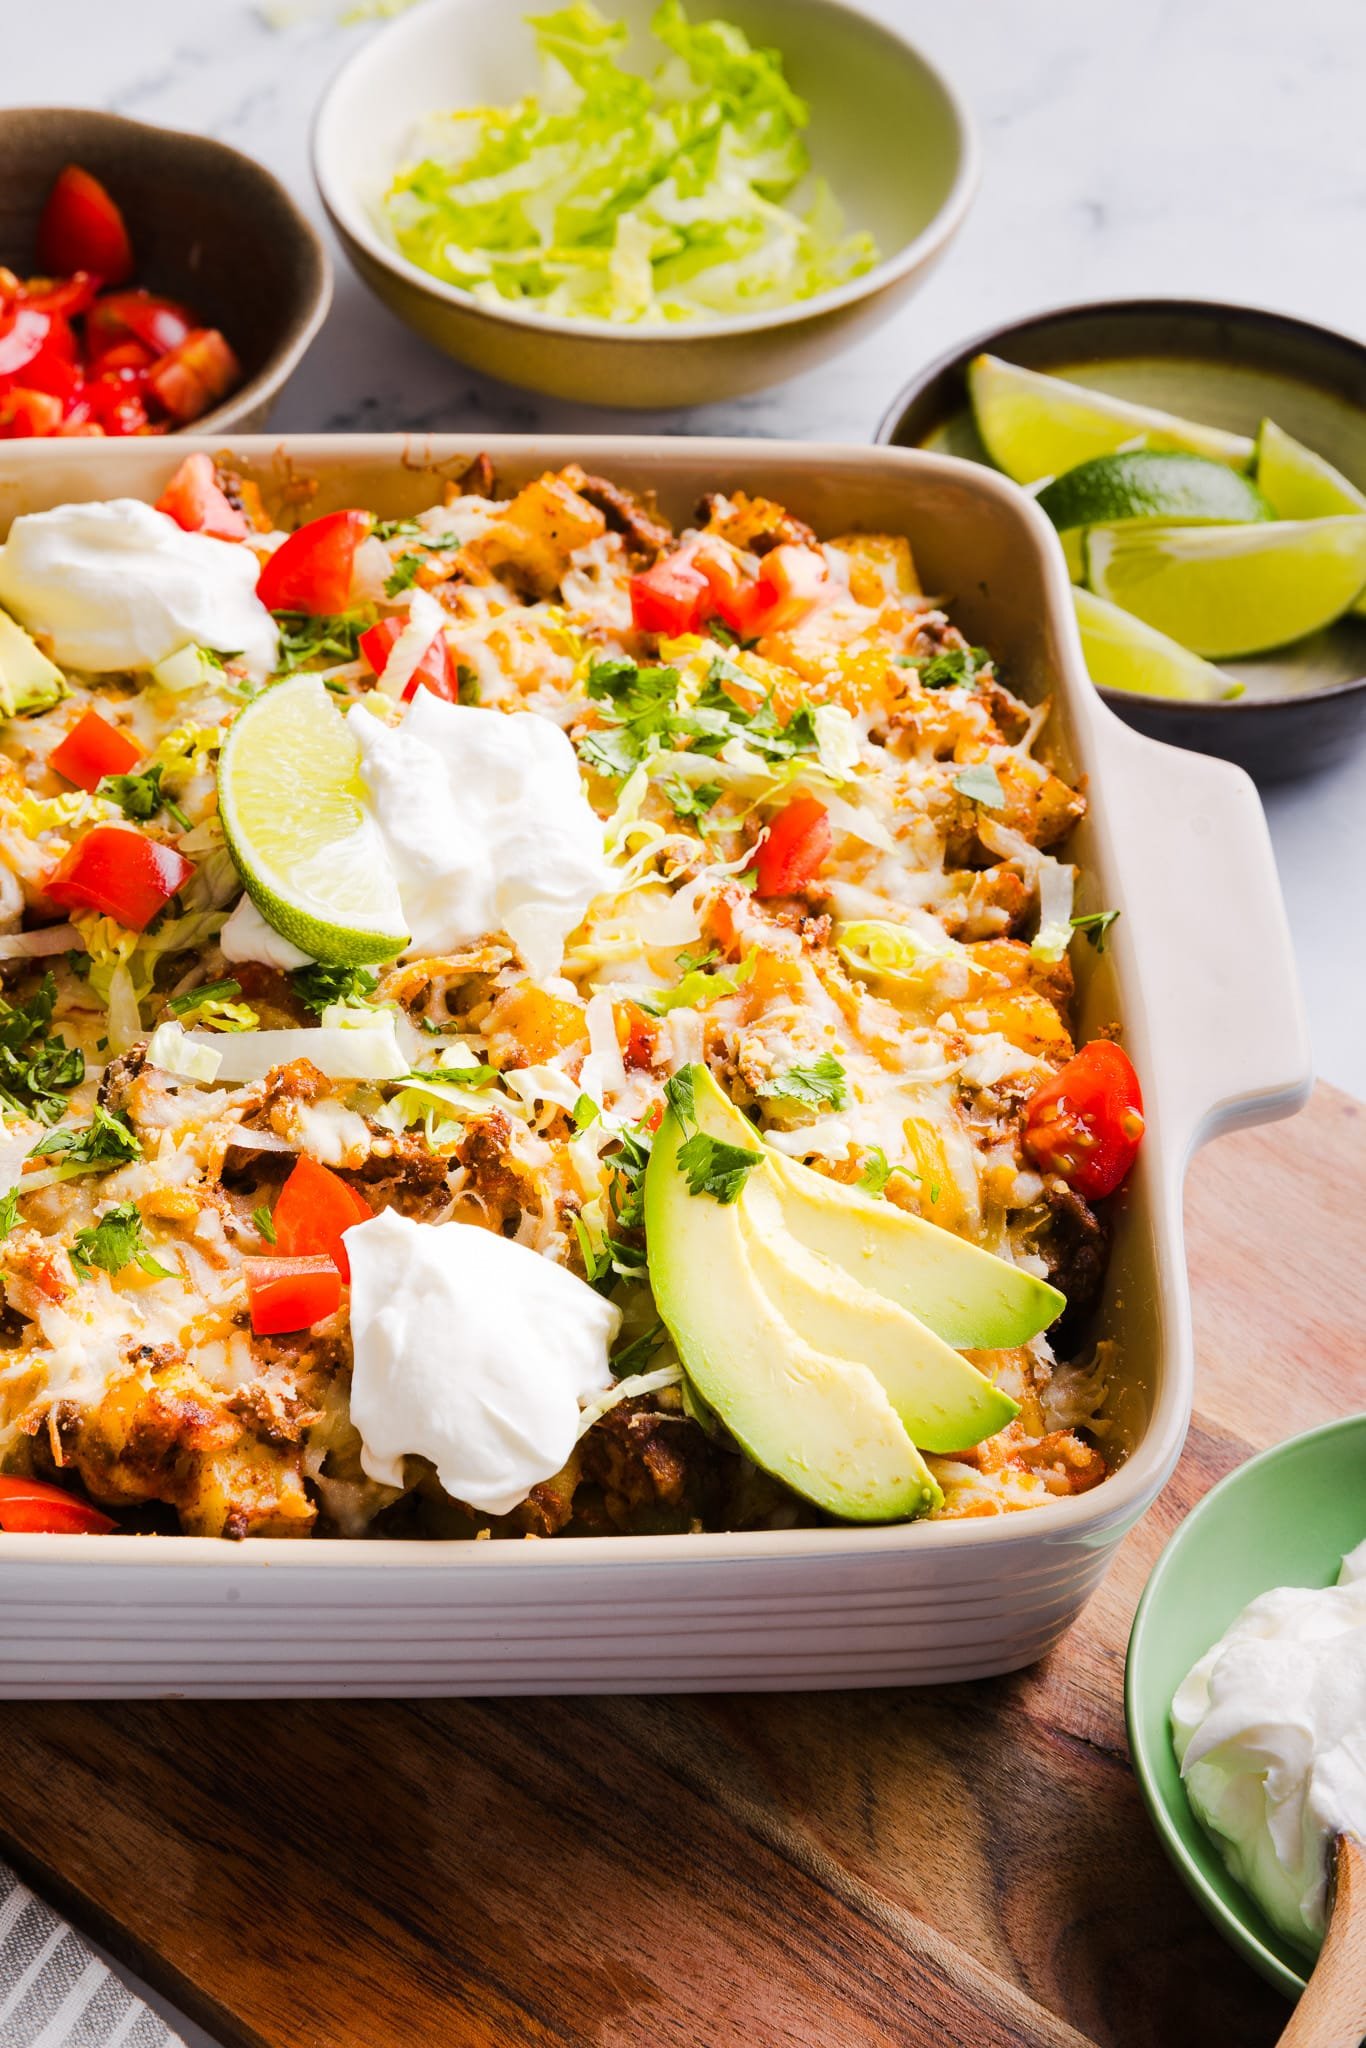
[[610, 195]]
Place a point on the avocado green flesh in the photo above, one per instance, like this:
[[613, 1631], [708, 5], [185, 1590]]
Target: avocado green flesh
[[969, 1297], [945, 1403], [28, 680], [820, 1423]]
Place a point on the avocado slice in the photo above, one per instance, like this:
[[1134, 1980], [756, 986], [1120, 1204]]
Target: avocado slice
[[28, 680], [820, 1423], [967, 1296], [945, 1403]]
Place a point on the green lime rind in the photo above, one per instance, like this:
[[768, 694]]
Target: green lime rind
[[1226, 591], [291, 801], [1301, 484], [1151, 483], [1035, 426], [1122, 653]]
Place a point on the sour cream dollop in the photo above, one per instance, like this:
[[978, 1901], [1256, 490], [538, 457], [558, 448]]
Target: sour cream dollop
[[118, 585], [472, 1352], [1270, 1731], [485, 824]]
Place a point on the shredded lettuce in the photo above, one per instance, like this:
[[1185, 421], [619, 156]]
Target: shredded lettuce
[[610, 195]]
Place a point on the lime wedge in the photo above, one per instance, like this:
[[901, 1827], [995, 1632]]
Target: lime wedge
[[1150, 483], [1124, 654], [1300, 484], [293, 808], [1034, 426], [1231, 590]]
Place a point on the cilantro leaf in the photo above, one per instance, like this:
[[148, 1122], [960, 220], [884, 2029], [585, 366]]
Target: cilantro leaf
[[107, 1141], [142, 796], [876, 1171], [955, 668], [9, 1212], [482, 1076], [1095, 925], [585, 1112], [689, 802], [715, 1167], [823, 1082], [35, 1066], [403, 575], [265, 1223], [114, 1242], [981, 782], [332, 638], [319, 986], [679, 1094]]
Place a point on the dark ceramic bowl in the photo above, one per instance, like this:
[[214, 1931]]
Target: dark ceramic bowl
[[1229, 366], [208, 225]]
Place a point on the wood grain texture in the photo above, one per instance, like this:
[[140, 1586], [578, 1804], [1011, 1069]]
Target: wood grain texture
[[968, 1867]]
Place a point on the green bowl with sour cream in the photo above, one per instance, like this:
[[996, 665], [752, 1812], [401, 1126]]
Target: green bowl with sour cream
[[1286, 1518]]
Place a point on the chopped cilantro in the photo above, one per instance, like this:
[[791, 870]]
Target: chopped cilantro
[[9, 1212], [114, 1242], [634, 1357], [981, 782], [646, 717], [690, 962], [715, 1167], [1095, 925], [403, 575], [332, 638], [265, 1223], [876, 1171], [105, 1142], [409, 529], [820, 1083], [689, 802], [319, 986], [680, 1095], [482, 1076], [79, 963], [956, 667], [34, 1064], [142, 796], [585, 1112]]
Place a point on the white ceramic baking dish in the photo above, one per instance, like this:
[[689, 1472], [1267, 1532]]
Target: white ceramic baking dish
[[1200, 974]]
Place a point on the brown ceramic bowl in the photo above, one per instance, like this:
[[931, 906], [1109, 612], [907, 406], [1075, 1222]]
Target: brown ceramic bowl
[[208, 225]]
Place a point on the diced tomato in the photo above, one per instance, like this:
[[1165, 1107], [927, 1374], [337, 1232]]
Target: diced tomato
[[118, 401], [33, 1508], [1085, 1125], [51, 372], [194, 375], [311, 571], [196, 501], [82, 229], [673, 597], [24, 334], [438, 670], [796, 847], [119, 317], [26, 413], [290, 1294], [121, 873], [65, 295], [125, 355], [93, 749], [314, 1208]]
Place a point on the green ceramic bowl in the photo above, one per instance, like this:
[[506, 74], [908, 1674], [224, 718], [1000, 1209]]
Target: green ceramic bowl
[[1286, 1518]]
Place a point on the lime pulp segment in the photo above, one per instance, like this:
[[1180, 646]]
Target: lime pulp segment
[[1300, 485], [291, 800], [1122, 653], [1035, 426]]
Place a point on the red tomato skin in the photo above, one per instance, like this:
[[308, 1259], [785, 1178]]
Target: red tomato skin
[[671, 598], [32, 1507], [193, 376], [157, 324], [65, 295], [28, 415], [195, 500], [437, 671], [786, 589], [797, 846], [315, 1206], [311, 571], [121, 873], [1086, 1124], [290, 1294], [81, 228], [93, 749]]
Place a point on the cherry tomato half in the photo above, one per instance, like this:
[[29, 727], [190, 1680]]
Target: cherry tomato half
[[311, 571], [1086, 1123], [32, 1507], [82, 229]]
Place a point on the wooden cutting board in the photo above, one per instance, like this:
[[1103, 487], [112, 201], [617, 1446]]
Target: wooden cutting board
[[968, 1867]]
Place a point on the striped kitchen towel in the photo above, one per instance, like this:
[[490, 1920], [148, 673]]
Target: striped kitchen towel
[[54, 1990]]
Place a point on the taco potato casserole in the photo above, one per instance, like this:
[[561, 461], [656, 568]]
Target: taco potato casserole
[[520, 1020]]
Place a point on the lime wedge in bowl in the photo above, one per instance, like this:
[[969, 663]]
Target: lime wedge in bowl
[[1034, 426], [1151, 483], [1300, 484], [1223, 591], [292, 803], [1124, 654]]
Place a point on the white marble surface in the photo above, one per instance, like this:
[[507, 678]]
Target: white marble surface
[[1210, 147]]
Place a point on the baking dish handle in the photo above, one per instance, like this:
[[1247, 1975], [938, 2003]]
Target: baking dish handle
[[1228, 1040]]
